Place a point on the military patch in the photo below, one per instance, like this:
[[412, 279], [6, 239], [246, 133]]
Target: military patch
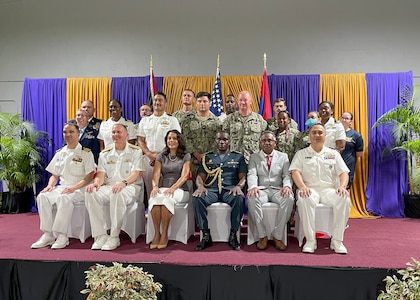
[[329, 156], [77, 159]]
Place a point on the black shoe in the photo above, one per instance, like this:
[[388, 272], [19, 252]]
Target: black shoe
[[233, 241], [205, 242]]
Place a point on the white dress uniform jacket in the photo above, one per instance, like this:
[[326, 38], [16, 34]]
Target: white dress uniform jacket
[[71, 165]]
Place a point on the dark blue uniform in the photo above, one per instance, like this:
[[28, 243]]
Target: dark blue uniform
[[224, 176], [89, 140]]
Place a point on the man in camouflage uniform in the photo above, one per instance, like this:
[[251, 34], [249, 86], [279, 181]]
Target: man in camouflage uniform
[[188, 97], [278, 106], [200, 130], [244, 127]]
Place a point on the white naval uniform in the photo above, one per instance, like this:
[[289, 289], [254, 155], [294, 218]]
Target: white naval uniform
[[117, 166], [320, 172], [71, 165], [105, 131], [154, 130], [334, 131]]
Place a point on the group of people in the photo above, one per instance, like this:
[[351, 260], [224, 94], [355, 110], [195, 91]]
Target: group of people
[[229, 158]]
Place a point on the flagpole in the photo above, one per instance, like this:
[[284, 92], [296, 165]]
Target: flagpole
[[152, 83]]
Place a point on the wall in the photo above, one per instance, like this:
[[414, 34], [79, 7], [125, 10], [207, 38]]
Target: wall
[[95, 38]]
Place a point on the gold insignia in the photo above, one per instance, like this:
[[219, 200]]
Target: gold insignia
[[77, 159], [134, 146]]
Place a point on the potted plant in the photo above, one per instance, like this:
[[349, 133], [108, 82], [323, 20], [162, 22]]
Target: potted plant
[[19, 159], [405, 285], [118, 282], [404, 123]]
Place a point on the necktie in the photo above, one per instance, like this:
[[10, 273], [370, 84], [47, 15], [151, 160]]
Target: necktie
[[268, 161]]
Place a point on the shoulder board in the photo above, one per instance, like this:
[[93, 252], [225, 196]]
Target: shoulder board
[[235, 152], [336, 121], [58, 150], [134, 146], [86, 149], [107, 149]]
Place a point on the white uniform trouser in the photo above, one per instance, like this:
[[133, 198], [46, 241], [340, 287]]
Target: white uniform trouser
[[64, 203], [283, 213], [117, 207], [341, 211]]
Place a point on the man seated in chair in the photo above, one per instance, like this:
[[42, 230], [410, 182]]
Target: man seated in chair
[[118, 183], [221, 178], [321, 176], [269, 180], [74, 167]]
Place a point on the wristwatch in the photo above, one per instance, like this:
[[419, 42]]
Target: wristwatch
[[125, 182]]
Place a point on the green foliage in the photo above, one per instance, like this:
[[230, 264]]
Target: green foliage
[[118, 282], [404, 123], [405, 285], [19, 155]]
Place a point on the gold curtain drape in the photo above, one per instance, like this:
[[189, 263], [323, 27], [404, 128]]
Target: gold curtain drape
[[348, 93], [174, 85], [96, 89]]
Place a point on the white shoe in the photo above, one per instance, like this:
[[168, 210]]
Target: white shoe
[[309, 247], [45, 240], [61, 242], [99, 242], [338, 247], [111, 243]]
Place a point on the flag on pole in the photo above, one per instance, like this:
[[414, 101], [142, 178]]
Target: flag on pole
[[152, 84], [216, 106], [265, 103]]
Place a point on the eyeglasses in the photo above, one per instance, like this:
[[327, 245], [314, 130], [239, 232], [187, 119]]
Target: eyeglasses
[[345, 119]]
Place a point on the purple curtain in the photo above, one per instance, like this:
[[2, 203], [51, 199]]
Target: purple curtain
[[387, 175], [132, 93], [301, 93], [44, 103]]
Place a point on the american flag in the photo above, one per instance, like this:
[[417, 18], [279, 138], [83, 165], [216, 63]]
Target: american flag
[[216, 106]]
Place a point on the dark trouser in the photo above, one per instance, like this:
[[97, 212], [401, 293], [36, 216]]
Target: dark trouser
[[236, 202]]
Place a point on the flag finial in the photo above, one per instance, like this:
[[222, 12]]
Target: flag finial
[[218, 60], [151, 60], [265, 60]]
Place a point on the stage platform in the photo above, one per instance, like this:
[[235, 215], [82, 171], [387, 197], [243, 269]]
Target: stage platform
[[376, 247]]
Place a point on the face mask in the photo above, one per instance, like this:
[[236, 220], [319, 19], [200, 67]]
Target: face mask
[[310, 122]]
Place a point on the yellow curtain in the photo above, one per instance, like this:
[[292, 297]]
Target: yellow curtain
[[174, 85], [348, 93], [96, 89]]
